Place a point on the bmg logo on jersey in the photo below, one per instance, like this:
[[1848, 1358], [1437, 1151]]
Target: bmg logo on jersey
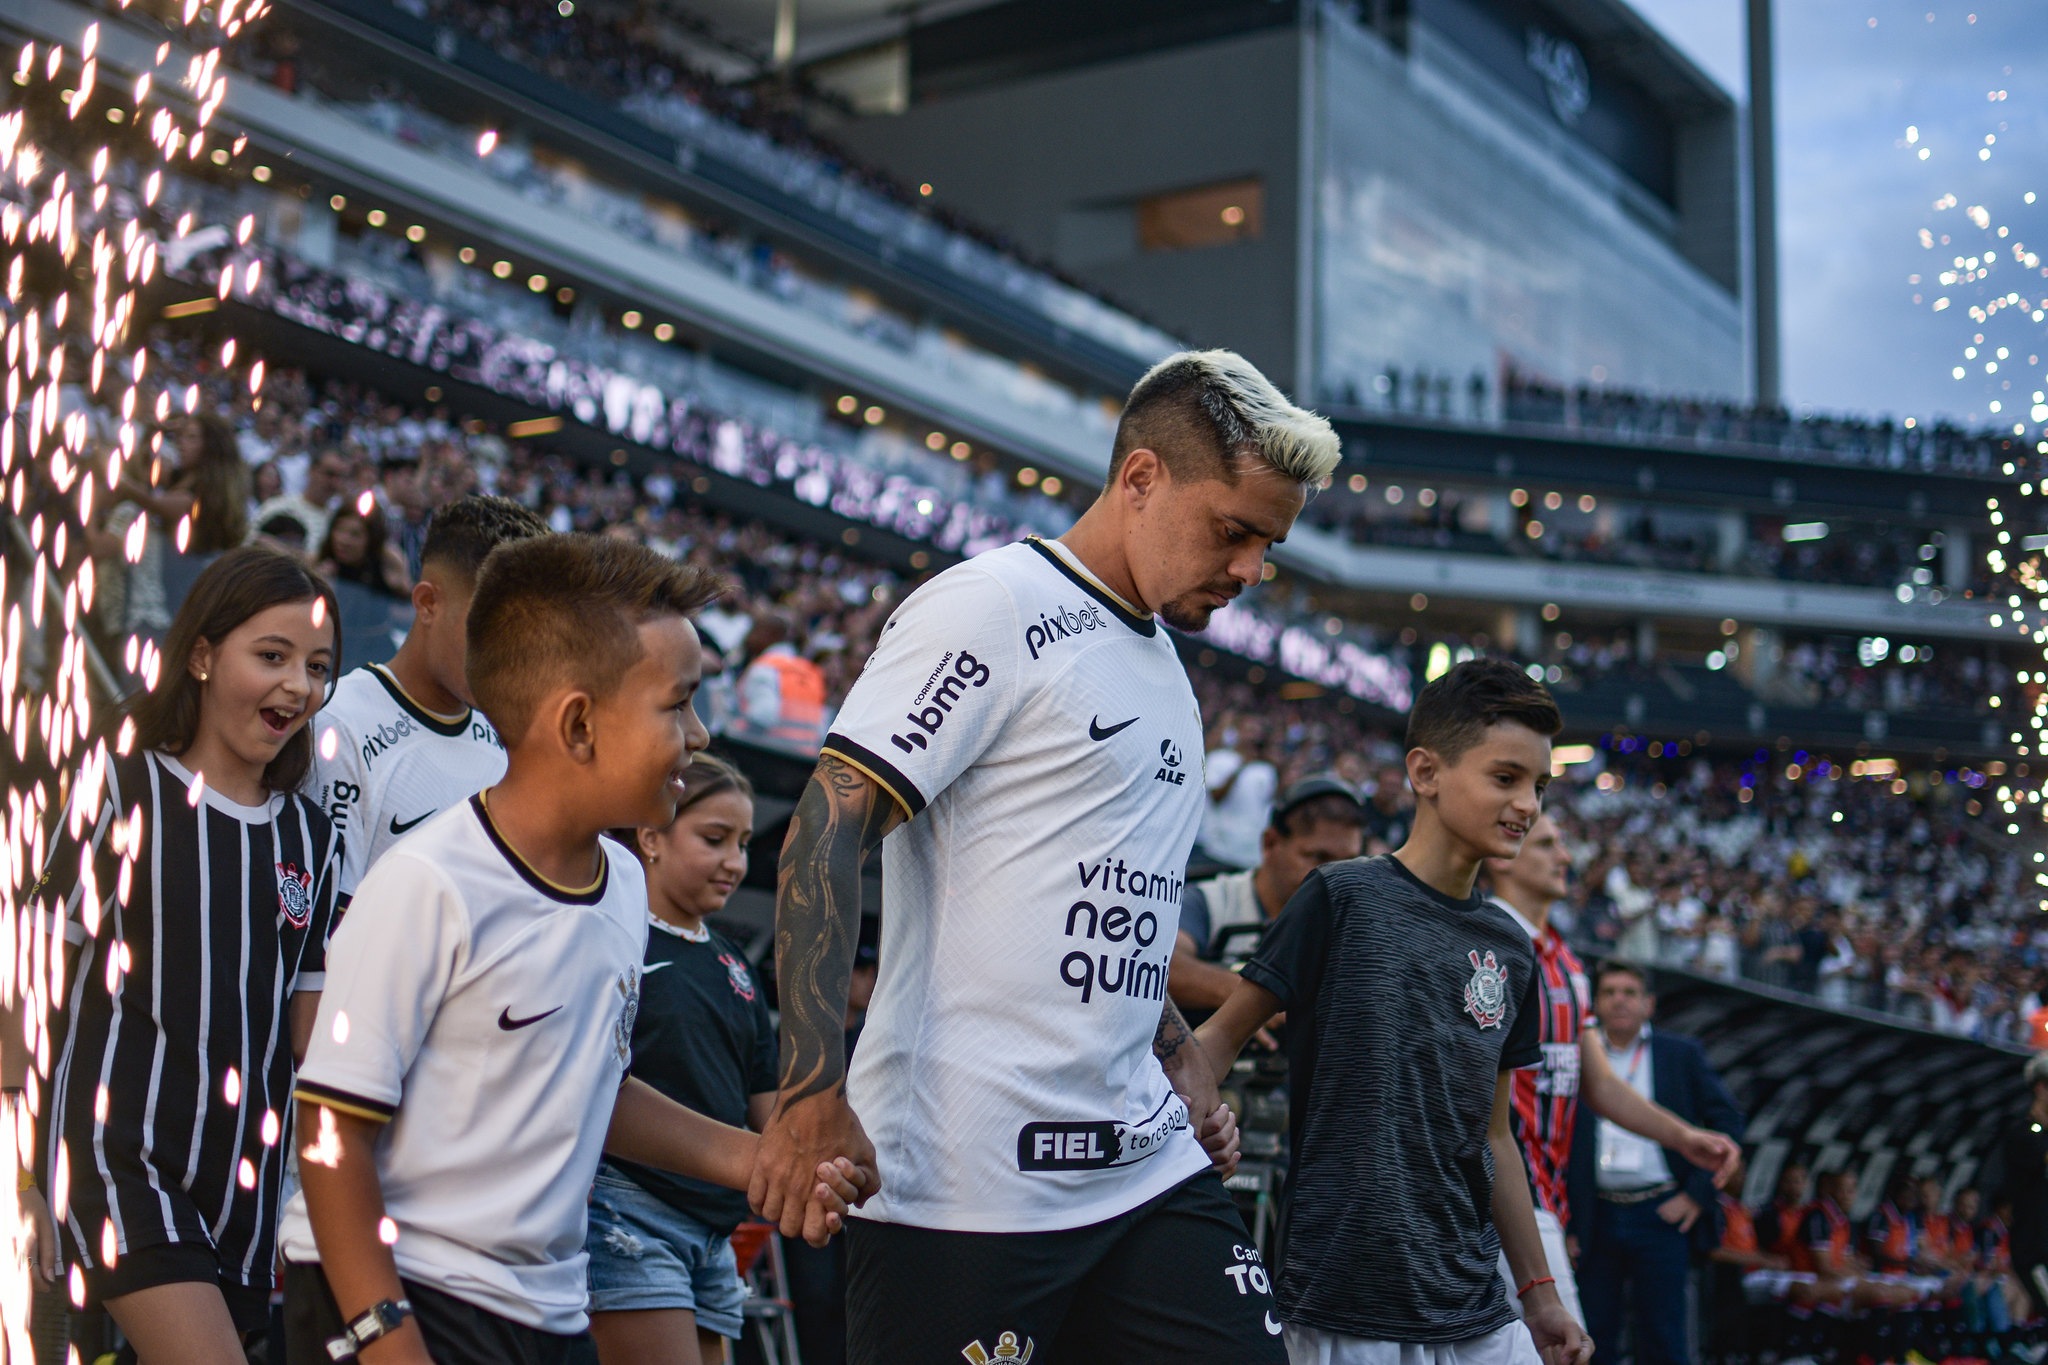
[[1061, 624], [967, 672]]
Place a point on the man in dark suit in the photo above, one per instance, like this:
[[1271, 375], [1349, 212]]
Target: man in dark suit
[[1637, 1208]]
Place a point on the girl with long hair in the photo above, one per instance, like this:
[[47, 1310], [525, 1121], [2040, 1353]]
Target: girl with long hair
[[358, 549], [197, 891], [208, 482], [664, 1287]]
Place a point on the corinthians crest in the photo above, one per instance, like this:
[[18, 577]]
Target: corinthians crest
[[295, 895], [1006, 1350], [1486, 994]]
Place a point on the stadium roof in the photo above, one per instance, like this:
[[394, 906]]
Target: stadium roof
[[823, 27], [1612, 29]]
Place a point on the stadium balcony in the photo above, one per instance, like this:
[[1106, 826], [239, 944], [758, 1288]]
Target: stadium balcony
[[520, 350], [685, 136], [972, 396]]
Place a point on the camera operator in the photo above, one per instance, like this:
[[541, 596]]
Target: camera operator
[[1317, 820]]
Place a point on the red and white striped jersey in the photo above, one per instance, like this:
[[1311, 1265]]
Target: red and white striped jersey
[[1544, 1102]]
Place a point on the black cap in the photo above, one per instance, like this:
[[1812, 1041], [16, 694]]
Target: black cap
[[1307, 790]]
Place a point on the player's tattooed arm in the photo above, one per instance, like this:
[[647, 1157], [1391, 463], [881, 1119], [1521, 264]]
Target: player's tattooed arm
[[841, 817], [1172, 1035], [1188, 1070]]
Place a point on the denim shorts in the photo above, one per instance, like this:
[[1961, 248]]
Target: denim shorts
[[645, 1254]]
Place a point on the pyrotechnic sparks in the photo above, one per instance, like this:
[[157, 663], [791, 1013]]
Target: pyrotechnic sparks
[[86, 119]]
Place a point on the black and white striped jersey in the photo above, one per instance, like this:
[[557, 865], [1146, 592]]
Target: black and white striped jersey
[[173, 1071]]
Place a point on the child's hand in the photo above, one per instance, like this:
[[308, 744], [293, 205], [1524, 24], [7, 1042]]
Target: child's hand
[[841, 1185], [42, 1245], [1219, 1138]]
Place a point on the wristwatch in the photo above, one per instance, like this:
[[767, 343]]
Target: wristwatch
[[378, 1320]]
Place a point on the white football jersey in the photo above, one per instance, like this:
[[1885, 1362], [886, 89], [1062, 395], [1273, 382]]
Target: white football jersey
[[391, 764], [1047, 745], [486, 1015]]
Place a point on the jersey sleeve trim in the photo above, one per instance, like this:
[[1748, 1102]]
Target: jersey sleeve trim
[[878, 770], [360, 1106]]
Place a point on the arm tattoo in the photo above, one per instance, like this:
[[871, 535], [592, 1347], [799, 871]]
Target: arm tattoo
[[1172, 1034], [840, 818]]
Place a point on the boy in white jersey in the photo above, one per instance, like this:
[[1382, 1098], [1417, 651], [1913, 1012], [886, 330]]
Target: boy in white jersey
[[1027, 724], [398, 742], [470, 1062]]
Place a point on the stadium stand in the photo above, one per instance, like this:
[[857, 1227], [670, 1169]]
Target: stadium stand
[[1819, 911]]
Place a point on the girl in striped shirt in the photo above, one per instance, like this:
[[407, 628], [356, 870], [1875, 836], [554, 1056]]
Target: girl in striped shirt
[[197, 890]]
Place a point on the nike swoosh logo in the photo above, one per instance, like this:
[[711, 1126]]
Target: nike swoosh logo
[[397, 828], [651, 968], [1273, 1329], [1096, 731], [508, 1023]]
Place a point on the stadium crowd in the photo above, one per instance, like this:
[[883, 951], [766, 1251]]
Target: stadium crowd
[[627, 59], [1873, 891], [1580, 529]]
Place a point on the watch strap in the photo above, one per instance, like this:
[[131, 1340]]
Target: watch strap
[[373, 1323]]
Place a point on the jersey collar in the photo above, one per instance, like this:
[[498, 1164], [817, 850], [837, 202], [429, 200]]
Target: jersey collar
[[1123, 611], [451, 726], [654, 921], [554, 891]]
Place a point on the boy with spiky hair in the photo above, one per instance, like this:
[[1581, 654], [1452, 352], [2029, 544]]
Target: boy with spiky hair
[[470, 1060], [398, 742], [1412, 1000]]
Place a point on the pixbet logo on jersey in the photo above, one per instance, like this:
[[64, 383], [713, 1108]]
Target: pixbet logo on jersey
[[385, 736], [968, 671], [1060, 624]]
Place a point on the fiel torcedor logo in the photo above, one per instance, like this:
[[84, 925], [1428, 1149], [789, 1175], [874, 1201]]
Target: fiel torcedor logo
[[1486, 994]]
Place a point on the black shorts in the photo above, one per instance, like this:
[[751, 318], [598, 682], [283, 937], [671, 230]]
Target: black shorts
[[178, 1263], [1175, 1279], [457, 1332]]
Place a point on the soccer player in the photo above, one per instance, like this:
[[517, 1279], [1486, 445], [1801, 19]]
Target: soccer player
[[1411, 1002], [1027, 732], [402, 741], [193, 971], [1544, 1107], [470, 1060]]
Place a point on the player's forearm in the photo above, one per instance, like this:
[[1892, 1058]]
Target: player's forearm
[[1197, 985], [1615, 1100], [840, 817], [1173, 1039], [1223, 1034], [345, 1204], [652, 1129]]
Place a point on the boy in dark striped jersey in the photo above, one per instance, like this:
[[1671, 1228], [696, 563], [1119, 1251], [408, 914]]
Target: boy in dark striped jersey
[[1411, 1003]]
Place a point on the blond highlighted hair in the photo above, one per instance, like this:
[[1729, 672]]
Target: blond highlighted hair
[[1206, 412]]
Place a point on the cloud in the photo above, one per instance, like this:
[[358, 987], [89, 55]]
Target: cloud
[[1853, 194]]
